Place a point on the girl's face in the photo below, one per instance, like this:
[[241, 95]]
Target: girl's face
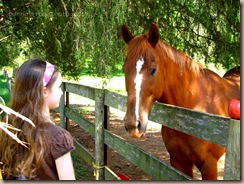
[[54, 93]]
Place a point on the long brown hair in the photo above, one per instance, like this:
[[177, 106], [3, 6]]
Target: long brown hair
[[27, 99]]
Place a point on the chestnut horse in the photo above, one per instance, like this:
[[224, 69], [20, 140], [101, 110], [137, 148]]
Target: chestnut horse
[[155, 71]]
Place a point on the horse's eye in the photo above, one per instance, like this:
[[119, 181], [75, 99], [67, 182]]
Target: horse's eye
[[153, 71]]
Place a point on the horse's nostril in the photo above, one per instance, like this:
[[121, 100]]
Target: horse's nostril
[[138, 124], [126, 128]]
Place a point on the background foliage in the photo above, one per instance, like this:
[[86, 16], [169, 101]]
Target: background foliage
[[84, 36]]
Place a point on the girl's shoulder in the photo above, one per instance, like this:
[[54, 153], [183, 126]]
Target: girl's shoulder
[[61, 140], [57, 131], [58, 142]]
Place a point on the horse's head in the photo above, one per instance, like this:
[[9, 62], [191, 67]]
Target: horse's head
[[143, 78]]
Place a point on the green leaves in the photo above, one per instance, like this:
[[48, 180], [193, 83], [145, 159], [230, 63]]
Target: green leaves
[[86, 34]]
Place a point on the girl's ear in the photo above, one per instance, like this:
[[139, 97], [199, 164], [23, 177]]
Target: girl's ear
[[45, 93]]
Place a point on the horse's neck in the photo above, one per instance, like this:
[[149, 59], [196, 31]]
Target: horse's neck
[[180, 85]]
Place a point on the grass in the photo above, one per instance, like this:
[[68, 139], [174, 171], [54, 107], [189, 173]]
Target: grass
[[4, 92], [115, 84], [80, 171]]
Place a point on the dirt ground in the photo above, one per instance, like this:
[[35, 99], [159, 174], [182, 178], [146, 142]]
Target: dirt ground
[[151, 142]]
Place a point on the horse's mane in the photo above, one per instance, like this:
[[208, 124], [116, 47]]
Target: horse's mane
[[180, 58], [140, 45]]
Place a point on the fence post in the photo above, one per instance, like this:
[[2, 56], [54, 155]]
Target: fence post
[[232, 159], [62, 107], [99, 134], [4, 73], [107, 150], [67, 125]]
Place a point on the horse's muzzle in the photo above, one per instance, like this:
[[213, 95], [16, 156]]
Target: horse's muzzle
[[134, 130]]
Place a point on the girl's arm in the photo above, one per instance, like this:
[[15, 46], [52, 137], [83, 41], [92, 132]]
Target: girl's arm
[[65, 167]]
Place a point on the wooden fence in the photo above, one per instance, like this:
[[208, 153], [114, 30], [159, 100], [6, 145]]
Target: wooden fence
[[217, 129]]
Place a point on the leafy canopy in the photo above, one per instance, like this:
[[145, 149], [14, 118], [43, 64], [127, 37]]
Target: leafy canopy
[[84, 36]]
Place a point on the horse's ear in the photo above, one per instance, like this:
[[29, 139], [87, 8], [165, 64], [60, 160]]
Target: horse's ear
[[126, 34], [153, 35]]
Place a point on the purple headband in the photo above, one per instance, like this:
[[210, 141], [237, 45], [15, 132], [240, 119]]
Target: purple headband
[[48, 73]]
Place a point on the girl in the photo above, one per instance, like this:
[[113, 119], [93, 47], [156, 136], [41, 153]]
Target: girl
[[37, 89]]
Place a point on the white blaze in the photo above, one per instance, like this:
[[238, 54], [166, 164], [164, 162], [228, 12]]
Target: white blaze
[[138, 81]]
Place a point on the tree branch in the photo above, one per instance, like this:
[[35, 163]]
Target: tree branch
[[8, 25], [4, 38]]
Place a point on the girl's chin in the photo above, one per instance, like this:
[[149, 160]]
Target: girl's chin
[[54, 107]]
